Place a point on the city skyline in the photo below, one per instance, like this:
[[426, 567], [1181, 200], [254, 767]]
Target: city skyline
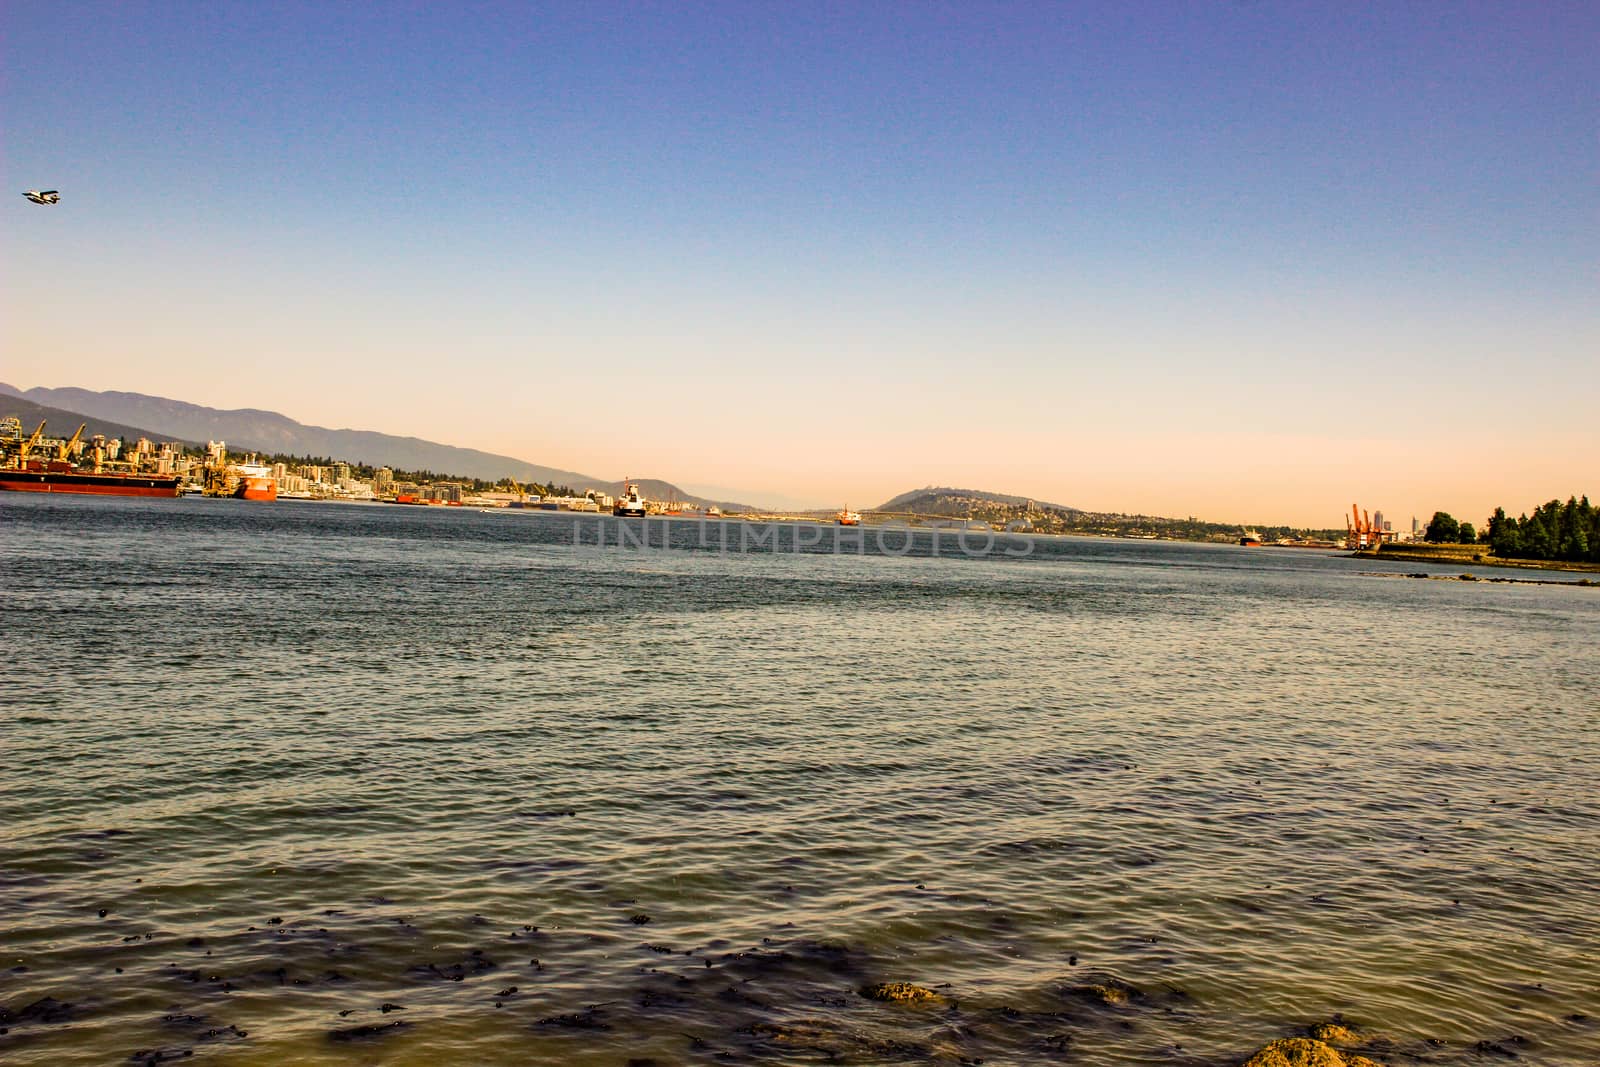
[[1243, 264]]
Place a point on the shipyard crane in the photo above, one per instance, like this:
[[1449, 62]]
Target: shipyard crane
[[27, 446], [65, 449], [1359, 530]]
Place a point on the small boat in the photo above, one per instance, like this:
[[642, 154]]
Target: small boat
[[846, 517], [1250, 539], [630, 503]]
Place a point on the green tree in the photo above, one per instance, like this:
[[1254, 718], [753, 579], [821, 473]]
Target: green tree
[[1536, 542], [1466, 534], [1504, 539], [1574, 537], [1442, 529]]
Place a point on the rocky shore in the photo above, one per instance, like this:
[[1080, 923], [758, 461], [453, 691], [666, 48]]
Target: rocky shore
[[1467, 555]]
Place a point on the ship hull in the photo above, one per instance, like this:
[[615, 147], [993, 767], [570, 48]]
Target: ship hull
[[90, 484], [252, 488]]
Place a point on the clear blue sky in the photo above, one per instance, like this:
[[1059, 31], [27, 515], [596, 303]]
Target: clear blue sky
[[1221, 259]]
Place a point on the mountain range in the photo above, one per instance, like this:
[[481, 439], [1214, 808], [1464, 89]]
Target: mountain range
[[60, 422], [133, 415]]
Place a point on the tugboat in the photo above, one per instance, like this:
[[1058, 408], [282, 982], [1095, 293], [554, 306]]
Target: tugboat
[[1250, 539], [630, 503], [846, 517]]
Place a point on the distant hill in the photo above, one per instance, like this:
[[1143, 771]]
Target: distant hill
[[251, 429], [934, 500], [1040, 516], [61, 423]]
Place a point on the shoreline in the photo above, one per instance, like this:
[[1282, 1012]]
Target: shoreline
[[1584, 583], [1470, 556]]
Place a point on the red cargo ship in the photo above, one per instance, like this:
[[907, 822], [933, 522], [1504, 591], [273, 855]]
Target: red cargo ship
[[256, 483], [58, 477]]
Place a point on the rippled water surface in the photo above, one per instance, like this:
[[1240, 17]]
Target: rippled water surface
[[267, 769]]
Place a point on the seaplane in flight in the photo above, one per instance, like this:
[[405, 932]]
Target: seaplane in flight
[[49, 196]]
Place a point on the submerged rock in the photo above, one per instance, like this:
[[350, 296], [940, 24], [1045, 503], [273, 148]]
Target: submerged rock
[[1335, 1032], [897, 992], [43, 1010], [363, 1033], [1113, 992], [838, 1042], [1305, 1052]]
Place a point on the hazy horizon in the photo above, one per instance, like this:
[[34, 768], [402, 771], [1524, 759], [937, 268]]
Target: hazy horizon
[[1248, 264]]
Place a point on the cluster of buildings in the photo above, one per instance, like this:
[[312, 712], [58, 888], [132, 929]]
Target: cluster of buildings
[[331, 482], [143, 455]]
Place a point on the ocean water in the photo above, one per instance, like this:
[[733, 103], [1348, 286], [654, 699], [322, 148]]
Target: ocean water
[[267, 770]]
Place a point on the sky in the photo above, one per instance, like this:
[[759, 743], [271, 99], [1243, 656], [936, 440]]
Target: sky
[[1244, 261]]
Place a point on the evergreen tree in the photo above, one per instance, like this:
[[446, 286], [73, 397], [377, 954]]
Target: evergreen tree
[[1442, 529], [1504, 540], [1573, 539]]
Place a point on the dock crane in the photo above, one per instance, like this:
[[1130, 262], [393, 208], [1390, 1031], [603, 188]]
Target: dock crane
[[27, 446], [64, 450], [1359, 530]]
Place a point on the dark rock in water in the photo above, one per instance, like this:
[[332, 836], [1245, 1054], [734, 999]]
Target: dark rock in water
[[837, 1043], [363, 1033], [474, 963], [897, 992], [159, 1055], [1501, 1047], [588, 1019], [43, 1010], [386, 1008], [640, 919]]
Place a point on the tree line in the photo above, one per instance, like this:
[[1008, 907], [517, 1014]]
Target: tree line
[[1567, 532]]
